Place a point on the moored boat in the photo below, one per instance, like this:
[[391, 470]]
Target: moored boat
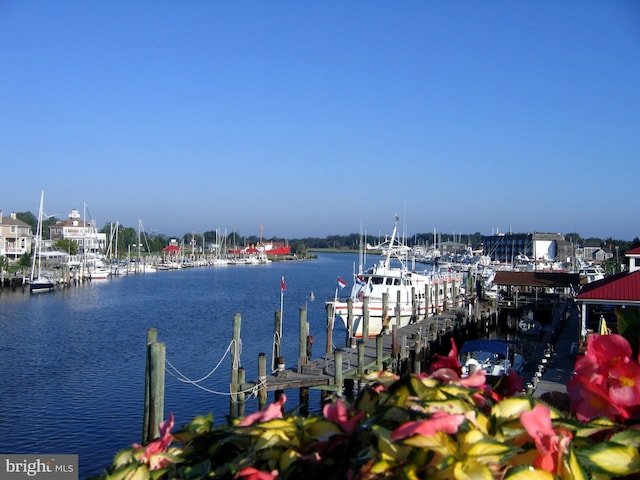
[[393, 293], [495, 357], [38, 281]]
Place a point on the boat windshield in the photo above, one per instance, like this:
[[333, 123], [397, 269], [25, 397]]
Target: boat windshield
[[485, 356]]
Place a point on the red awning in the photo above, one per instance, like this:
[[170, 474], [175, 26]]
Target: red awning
[[171, 248]]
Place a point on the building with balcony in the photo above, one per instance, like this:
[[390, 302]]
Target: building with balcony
[[84, 234], [16, 237]]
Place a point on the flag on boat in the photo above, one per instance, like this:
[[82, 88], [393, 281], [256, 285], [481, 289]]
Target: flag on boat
[[283, 287], [359, 280], [341, 283]]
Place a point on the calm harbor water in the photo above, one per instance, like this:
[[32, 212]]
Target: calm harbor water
[[73, 361]]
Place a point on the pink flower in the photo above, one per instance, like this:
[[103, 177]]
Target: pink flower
[[589, 401], [150, 454], [550, 444], [607, 381], [624, 381], [338, 414], [476, 380], [450, 361], [608, 350], [274, 410], [439, 422], [251, 473]]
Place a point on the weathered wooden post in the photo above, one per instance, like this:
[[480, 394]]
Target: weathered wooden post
[[385, 313], [379, 345], [157, 355], [445, 297], [361, 366], [302, 338], [349, 322], [361, 357], [414, 305], [398, 308], [241, 396], [235, 352], [427, 300], [365, 317], [394, 348], [330, 318], [337, 359], [262, 381], [304, 401], [152, 336], [277, 338]]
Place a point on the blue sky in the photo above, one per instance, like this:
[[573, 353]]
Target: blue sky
[[321, 118]]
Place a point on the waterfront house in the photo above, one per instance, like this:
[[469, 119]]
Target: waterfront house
[[16, 237], [84, 234]]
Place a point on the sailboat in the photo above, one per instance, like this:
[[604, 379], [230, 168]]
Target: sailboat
[[39, 282]]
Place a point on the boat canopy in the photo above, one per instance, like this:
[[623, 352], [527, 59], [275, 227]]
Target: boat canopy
[[494, 346]]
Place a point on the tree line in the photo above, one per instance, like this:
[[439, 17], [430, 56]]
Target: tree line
[[128, 238]]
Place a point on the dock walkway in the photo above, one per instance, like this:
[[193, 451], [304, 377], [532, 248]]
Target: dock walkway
[[562, 361], [372, 354], [407, 348]]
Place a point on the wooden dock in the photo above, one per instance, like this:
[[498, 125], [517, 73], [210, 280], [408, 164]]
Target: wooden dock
[[409, 348]]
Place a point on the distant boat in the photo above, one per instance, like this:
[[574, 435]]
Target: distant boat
[[495, 357], [528, 326], [38, 282]]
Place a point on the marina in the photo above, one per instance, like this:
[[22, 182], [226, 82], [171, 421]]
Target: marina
[[76, 357]]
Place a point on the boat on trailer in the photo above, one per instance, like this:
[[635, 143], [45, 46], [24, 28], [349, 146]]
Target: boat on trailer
[[394, 294]]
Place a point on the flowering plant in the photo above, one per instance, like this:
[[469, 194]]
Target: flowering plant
[[440, 426]]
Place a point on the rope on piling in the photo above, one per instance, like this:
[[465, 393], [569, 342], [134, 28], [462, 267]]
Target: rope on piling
[[178, 375]]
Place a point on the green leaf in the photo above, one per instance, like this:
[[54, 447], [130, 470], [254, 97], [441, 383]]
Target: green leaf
[[527, 473], [571, 468], [511, 408], [322, 429], [471, 470], [627, 437], [610, 458], [487, 451]]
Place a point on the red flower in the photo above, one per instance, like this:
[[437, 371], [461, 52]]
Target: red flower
[[338, 414], [551, 445], [606, 380], [450, 361], [251, 473], [624, 381], [150, 454], [439, 422], [274, 410]]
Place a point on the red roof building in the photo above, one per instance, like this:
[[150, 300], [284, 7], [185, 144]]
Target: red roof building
[[598, 300]]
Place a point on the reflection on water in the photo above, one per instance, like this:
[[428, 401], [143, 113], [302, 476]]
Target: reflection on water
[[73, 361]]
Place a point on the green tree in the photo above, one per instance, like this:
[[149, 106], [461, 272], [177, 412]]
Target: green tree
[[25, 260], [66, 245]]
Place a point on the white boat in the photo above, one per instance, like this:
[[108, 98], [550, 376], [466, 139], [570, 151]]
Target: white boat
[[495, 357], [38, 281], [409, 295], [590, 272], [528, 326]]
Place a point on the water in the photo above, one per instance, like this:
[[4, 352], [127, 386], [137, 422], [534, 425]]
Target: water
[[73, 362]]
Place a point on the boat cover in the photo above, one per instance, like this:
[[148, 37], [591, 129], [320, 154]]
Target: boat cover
[[493, 346]]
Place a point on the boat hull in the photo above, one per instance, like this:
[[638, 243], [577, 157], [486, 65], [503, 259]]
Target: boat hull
[[382, 318], [41, 285]]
